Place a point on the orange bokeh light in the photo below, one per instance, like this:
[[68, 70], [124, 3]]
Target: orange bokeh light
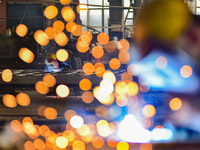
[[78, 145], [61, 142], [175, 104], [186, 71], [87, 97], [58, 26], [124, 57], [85, 84], [121, 88], [9, 101], [50, 80], [88, 68], [62, 55], [114, 63], [103, 38], [108, 75], [97, 52], [7, 75], [68, 14], [61, 39], [161, 62], [62, 90], [100, 71], [41, 37], [78, 30], [21, 30], [28, 145], [146, 146], [23, 99], [112, 141], [50, 12], [110, 47], [40, 110], [126, 76], [123, 45], [97, 142], [149, 111], [86, 36], [132, 88], [26, 55], [16, 126], [71, 26], [81, 7], [39, 144], [121, 100], [65, 2], [42, 87], [44, 130], [50, 113], [82, 46], [50, 32]]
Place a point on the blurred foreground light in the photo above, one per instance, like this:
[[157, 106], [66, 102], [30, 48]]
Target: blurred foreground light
[[86, 36], [186, 71], [122, 146], [65, 2], [112, 141], [58, 26], [21, 30], [26, 55], [114, 63], [110, 47], [62, 90], [39, 144], [88, 68], [61, 39], [97, 52], [78, 145], [175, 104], [71, 26], [42, 87], [68, 14], [124, 57], [121, 88], [62, 55], [123, 45], [87, 97], [7, 75], [69, 135], [49, 80], [41, 37], [161, 62], [84, 130], [106, 84], [121, 100], [44, 130], [85, 84], [161, 134], [23, 99], [50, 12], [98, 142], [40, 111], [149, 111], [16, 126], [9, 101], [101, 111], [103, 38], [76, 121], [28, 145], [78, 30], [61, 142], [82, 46], [132, 88], [82, 7], [50, 32], [108, 75], [103, 128], [126, 76], [69, 114], [146, 146], [50, 113]]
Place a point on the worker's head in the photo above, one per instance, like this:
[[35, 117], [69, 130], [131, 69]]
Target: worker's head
[[162, 21]]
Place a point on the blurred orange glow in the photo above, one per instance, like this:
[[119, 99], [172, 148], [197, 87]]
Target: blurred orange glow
[[9, 101], [87, 97], [28, 145], [84, 130], [124, 57], [50, 32], [58, 26], [26, 55], [78, 30], [41, 37], [161, 62], [144, 87], [69, 114], [76, 121], [82, 46], [121, 100], [50, 80], [100, 71], [39, 144], [16, 126], [44, 130], [71, 26], [106, 84], [82, 7], [50, 113], [42, 87], [62, 55], [103, 38], [97, 52], [61, 39], [98, 142], [78, 145], [132, 88], [109, 76], [146, 146], [186, 71], [62, 90], [85, 84], [114, 63], [126, 76], [175, 104], [149, 111], [88, 68], [27, 119], [65, 2], [123, 45], [103, 128], [23, 99], [30, 129], [61, 142], [69, 135], [68, 14], [7, 75], [110, 47], [86, 36], [121, 88], [122, 146], [50, 12], [41, 111], [112, 141], [21, 30], [101, 111], [99, 65]]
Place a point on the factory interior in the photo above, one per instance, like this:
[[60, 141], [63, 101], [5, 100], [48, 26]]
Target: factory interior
[[99, 74]]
